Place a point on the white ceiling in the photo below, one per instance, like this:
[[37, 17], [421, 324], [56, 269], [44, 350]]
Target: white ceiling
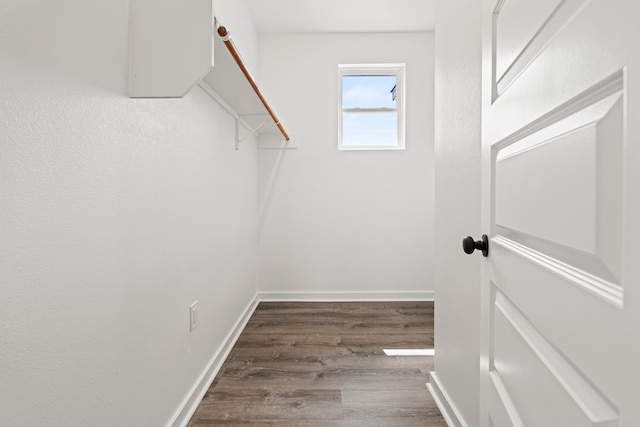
[[313, 16]]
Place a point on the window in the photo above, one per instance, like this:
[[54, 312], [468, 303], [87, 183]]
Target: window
[[371, 115]]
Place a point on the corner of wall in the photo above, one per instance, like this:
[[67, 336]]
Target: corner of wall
[[188, 406]]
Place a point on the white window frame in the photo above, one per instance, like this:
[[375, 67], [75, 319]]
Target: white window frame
[[397, 70]]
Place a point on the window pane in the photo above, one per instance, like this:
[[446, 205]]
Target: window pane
[[369, 129], [368, 91]]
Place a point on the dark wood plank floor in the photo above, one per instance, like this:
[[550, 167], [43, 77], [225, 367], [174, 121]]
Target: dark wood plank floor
[[322, 365]]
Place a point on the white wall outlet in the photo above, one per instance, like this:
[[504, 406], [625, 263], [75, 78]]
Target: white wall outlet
[[193, 316]]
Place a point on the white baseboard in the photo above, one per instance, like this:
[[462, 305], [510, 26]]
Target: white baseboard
[[448, 409], [189, 405], [345, 296]]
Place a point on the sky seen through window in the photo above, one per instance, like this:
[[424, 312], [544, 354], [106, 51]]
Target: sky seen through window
[[369, 128]]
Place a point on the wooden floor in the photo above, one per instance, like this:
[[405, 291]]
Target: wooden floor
[[322, 364]]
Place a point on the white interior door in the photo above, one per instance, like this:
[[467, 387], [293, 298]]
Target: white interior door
[[561, 204]]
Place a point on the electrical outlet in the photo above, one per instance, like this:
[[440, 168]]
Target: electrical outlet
[[193, 316]]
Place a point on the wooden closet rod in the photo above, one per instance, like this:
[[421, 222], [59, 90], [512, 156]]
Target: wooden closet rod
[[222, 32]]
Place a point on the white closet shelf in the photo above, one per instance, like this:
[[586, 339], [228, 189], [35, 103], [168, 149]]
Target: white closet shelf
[[173, 48], [170, 46]]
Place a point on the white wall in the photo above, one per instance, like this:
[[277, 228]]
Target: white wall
[[335, 221], [116, 214], [457, 152], [236, 17]]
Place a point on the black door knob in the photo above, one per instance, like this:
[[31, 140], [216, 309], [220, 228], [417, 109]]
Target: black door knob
[[469, 245]]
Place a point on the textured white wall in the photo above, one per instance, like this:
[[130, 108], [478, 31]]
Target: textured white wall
[[335, 221], [116, 214], [457, 152]]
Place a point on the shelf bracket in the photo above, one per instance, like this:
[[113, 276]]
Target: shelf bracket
[[251, 131]]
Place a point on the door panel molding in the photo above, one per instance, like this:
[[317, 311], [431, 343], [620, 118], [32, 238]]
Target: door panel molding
[[554, 185], [557, 185], [607, 86], [548, 371], [604, 289], [568, 174], [502, 408], [533, 40]]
